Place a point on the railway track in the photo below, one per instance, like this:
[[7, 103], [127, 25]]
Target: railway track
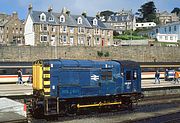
[[154, 110]]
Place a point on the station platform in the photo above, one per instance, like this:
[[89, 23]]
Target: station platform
[[11, 117], [15, 90], [26, 89], [150, 83]]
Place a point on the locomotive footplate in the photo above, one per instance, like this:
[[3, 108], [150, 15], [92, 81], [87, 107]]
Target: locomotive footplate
[[51, 106]]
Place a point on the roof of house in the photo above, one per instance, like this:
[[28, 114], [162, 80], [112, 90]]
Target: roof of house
[[70, 20]]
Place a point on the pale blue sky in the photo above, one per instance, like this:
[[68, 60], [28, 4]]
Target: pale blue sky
[[78, 6]]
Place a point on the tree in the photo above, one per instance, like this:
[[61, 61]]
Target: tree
[[176, 10], [147, 12], [106, 14]]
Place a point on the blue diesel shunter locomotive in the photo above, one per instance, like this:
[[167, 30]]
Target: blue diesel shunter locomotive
[[67, 86]]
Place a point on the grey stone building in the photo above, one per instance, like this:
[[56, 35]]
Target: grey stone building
[[11, 29], [165, 17], [122, 21]]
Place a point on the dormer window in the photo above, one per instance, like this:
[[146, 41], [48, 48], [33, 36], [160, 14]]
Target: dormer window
[[42, 17], [95, 22], [51, 19], [62, 19], [79, 21]]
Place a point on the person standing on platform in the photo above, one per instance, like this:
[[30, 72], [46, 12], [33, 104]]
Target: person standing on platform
[[157, 76], [20, 76]]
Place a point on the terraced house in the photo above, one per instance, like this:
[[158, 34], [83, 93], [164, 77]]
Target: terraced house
[[62, 29]]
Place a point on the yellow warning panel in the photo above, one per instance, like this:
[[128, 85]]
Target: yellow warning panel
[[34, 76], [39, 79]]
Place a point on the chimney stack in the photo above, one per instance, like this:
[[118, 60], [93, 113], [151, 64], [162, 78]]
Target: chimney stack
[[84, 14], [14, 15], [30, 8], [50, 9]]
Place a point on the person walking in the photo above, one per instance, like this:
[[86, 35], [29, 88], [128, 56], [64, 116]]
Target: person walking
[[176, 77], [157, 76], [20, 76]]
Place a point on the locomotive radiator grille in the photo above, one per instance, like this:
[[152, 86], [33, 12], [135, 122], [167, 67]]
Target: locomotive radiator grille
[[46, 80]]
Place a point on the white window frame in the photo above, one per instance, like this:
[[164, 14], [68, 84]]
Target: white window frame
[[95, 22], [64, 39], [51, 19], [64, 28], [71, 30], [42, 17], [81, 40], [53, 28], [71, 40], [79, 20], [62, 19], [44, 36]]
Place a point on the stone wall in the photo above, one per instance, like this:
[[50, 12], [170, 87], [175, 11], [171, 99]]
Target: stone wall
[[136, 53]]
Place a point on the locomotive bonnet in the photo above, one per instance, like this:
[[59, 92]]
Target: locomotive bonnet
[[66, 86]]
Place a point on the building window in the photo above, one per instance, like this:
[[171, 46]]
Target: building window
[[82, 30], [165, 29], [103, 32], [95, 22], [62, 19], [42, 17], [97, 40], [80, 40], [43, 38], [171, 37], [44, 27], [175, 28], [53, 29], [51, 19], [88, 31], [71, 30], [71, 40], [64, 28], [79, 20], [166, 37], [64, 39], [169, 29], [157, 30]]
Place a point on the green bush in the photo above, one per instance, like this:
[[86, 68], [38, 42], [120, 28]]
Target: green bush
[[100, 53], [106, 54]]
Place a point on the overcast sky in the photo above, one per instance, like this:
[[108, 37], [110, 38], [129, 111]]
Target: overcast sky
[[78, 6]]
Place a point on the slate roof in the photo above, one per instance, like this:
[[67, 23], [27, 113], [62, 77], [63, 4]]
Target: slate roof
[[100, 24], [70, 20], [36, 17], [85, 22]]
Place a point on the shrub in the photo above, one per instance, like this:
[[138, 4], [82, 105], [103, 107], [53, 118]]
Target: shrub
[[106, 54], [100, 53]]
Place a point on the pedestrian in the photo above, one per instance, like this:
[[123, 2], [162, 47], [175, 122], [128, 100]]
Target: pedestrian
[[176, 77], [157, 76], [20, 76]]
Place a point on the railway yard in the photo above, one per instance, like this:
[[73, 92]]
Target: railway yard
[[161, 103]]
